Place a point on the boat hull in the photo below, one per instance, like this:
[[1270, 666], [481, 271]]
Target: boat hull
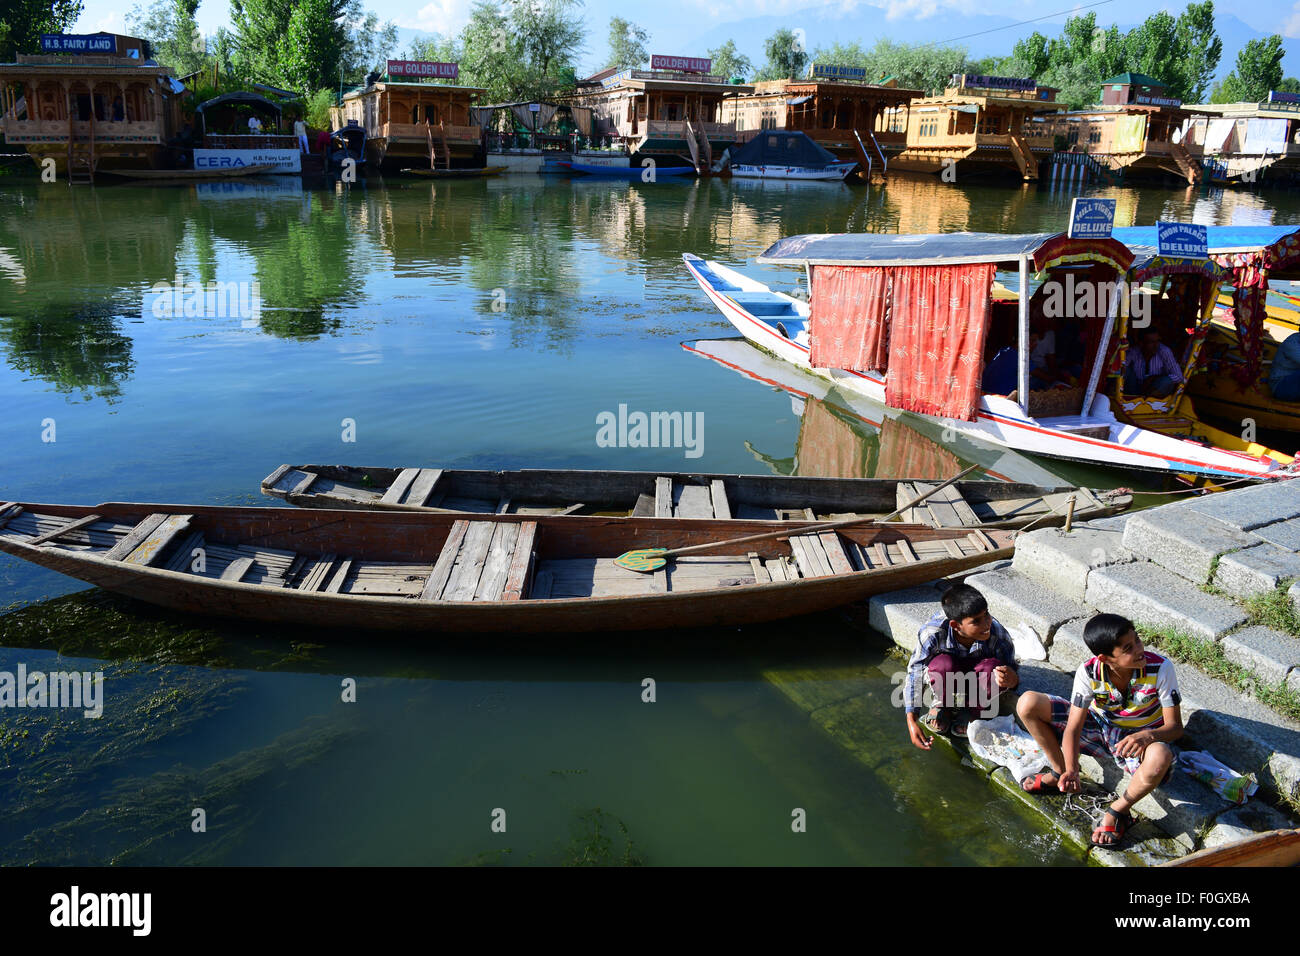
[[833, 173]]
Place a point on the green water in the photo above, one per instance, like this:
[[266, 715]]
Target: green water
[[463, 324]]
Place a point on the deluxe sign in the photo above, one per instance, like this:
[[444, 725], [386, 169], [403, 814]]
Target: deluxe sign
[[682, 64], [422, 68], [284, 160], [1091, 218], [838, 72], [1182, 240], [70, 43]]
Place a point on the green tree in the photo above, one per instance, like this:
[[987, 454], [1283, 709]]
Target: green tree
[[280, 43], [172, 32], [917, 66], [310, 51], [626, 45], [1259, 69], [23, 21], [727, 62], [522, 49], [1288, 85], [786, 57], [1199, 52]]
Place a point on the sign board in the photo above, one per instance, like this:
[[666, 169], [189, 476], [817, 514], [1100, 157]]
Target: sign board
[[1275, 97], [78, 43], [1020, 84], [1182, 240], [1091, 218], [682, 64], [284, 160], [534, 107], [423, 68], [1145, 100], [832, 72]]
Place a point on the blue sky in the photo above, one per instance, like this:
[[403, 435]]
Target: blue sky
[[674, 25]]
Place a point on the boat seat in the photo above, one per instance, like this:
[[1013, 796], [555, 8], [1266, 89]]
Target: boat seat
[[483, 561], [763, 303], [720, 284]]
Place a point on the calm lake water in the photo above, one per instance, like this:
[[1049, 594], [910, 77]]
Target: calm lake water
[[464, 324]]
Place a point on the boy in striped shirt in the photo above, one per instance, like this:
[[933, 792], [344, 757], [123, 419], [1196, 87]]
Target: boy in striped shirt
[[1125, 704]]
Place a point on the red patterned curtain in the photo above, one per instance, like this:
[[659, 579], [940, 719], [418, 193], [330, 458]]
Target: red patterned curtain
[[849, 317], [1250, 289], [941, 318]]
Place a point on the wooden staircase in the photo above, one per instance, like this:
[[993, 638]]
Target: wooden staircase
[[1186, 165], [701, 149], [81, 156], [866, 161], [1024, 157], [438, 145]]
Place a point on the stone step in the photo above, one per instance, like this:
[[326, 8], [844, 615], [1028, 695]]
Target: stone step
[[900, 614], [1154, 597], [1015, 598], [1185, 543], [1256, 570], [1062, 562], [1273, 655], [1249, 508]]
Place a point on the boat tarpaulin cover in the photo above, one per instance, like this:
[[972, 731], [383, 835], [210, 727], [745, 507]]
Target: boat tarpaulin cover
[[1130, 134], [1217, 133], [1265, 135], [849, 318], [868, 249], [783, 148], [940, 320]]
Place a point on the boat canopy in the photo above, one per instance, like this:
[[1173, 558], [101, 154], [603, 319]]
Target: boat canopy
[[783, 148], [258, 104], [1148, 264], [1046, 249]]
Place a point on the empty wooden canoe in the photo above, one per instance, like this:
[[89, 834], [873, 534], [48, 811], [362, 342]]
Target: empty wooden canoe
[[642, 494], [459, 573], [1274, 848]]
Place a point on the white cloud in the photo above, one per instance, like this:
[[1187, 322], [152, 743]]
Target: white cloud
[[441, 16], [1292, 26]]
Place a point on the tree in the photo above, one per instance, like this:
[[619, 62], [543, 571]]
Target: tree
[[728, 63], [1199, 52], [786, 57], [521, 49], [310, 51], [626, 45], [278, 43], [23, 21], [917, 66], [1259, 67], [1288, 85], [172, 32]]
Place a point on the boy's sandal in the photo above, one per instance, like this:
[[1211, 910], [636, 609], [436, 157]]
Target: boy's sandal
[[1038, 785], [1123, 821], [960, 725], [937, 719]]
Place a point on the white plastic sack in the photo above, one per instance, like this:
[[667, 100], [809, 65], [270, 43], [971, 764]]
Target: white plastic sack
[[1223, 780], [1028, 645], [1004, 742]]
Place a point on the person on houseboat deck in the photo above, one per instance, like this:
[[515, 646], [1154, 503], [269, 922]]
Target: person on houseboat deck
[[1284, 375], [254, 124], [300, 130], [323, 142], [1125, 704], [1151, 369], [962, 647]]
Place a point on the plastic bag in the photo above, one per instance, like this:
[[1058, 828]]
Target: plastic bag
[[1028, 645], [1223, 780], [1004, 742]]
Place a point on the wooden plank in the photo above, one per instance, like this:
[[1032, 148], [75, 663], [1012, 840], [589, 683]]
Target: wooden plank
[[572, 509], [945, 515], [906, 552], [503, 506], [315, 575], [521, 562], [761, 574], [399, 486], [810, 555], [645, 506], [541, 589], [834, 545], [1088, 500], [156, 543], [721, 506], [289, 480], [693, 501], [493, 580], [879, 556], [302, 486], [965, 513], [437, 580], [295, 568], [59, 532], [183, 556], [469, 564], [236, 570], [273, 479], [11, 512], [953, 548], [337, 578], [904, 492], [663, 497], [422, 487], [133, 539], [982, 541]]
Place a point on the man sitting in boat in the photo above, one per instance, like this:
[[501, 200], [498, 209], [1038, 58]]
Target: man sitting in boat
[[1151, 369], [1284, 375], [1124, 704], [962, 648]]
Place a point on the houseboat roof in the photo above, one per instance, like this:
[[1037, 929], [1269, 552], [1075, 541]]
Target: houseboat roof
[[1220, 238], [951, 98], [1263, 110], [840, 87], [953, 248], [381, 85], [1134, 79]]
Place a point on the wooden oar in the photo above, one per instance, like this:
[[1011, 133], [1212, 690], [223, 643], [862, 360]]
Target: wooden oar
[[652, 559]]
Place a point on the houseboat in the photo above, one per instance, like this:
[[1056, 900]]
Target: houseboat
[[416, 123], [1246, 142], [88, 102], [1135, 130], [542, 137], [872, 324], [230, 143], [835, 107], [674, 110], [980, 125]]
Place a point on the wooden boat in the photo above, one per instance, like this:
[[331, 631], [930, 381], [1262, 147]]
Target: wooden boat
[[346, 143], [456, 173], [788, 154], [497, 573], [643, 494], [1274, 848], [630, 172], [1076, 423], [192, 175]]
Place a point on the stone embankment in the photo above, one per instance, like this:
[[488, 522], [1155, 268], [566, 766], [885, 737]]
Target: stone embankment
[[1206, 581]]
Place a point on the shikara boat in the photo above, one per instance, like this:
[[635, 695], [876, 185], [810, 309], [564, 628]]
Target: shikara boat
[[493, 573], [643, 494], [924, 370], [783, 154], [456, 173], [629, 172], [192, 175], [1274, 848]]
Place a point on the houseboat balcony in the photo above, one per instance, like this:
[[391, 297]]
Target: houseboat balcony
[[57, 131], [670, 135], [254, 141], [419, 133]]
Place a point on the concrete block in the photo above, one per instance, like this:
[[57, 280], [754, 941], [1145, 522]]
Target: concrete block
[[1270, 654], [1063, 561], [1253, 507], [899, 614], [1245, 821], [1284, 534], [1068, 650], [1293, 682], [1151, 596], [1181, 808], [1014, 599], [1044, 678], [943, 584], [1113, 523], [1293, 593], [1255, 570], [1182, 541]]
